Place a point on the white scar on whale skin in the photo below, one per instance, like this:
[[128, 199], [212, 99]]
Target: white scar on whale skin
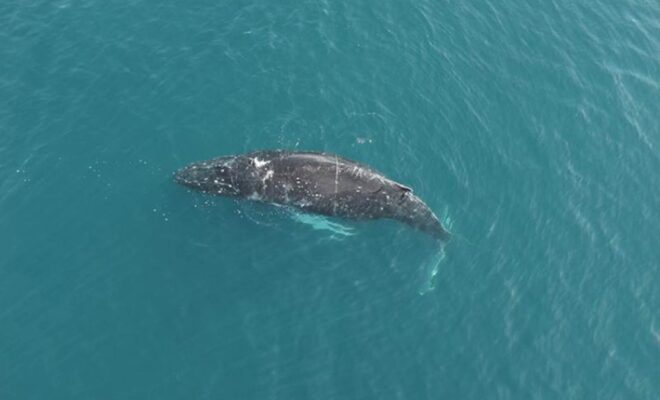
[[259, 163], [269, 174], [334, 201]]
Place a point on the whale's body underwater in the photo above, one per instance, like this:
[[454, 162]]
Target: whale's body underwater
[[318, 183]]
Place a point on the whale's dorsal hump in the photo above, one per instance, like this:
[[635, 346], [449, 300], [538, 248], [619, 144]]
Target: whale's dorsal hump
[[402, 187]]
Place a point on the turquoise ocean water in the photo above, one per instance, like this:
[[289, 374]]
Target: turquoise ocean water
[[531, 127]]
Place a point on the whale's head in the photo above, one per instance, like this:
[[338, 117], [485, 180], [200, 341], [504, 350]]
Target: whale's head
[[220, 176]]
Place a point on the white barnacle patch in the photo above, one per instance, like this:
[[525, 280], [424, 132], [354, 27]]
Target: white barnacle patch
[[222, 183], [254, 196], [259, 163]]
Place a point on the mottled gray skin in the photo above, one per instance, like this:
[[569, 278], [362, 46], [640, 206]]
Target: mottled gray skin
[[313, 182]]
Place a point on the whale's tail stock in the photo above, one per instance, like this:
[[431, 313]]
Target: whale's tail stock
[[415, 213], [432, 226]]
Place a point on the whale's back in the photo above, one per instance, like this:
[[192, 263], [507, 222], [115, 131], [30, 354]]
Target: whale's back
[[314, 182]]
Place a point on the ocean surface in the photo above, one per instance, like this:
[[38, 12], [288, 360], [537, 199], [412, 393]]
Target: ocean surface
[[531, 128]]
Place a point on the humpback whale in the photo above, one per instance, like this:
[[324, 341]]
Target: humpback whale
[[313, 182]]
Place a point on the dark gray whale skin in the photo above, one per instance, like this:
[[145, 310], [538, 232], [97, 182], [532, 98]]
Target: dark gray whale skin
[[318, 183]]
